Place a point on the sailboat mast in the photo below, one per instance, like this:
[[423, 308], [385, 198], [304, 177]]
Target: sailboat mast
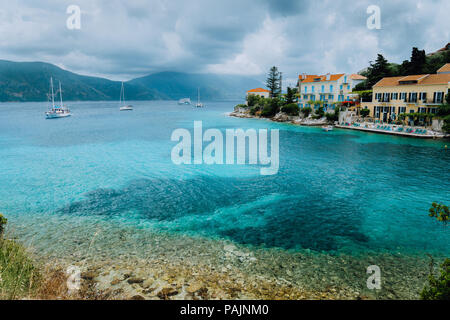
[[60, 94], [123, 90], [53, 94]]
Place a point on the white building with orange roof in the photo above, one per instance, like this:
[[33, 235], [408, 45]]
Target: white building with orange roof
[[422, 93], [328, 89], [259, 92]]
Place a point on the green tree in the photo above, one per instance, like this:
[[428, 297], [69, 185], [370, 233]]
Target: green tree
[[377, 71], [438, 288], [291, 109], [271, 108], [418, 60], [273, 82], [291, 95], [252, 100]]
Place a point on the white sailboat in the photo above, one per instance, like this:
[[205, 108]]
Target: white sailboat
[[57, 111], [199, 104], [123, 105]]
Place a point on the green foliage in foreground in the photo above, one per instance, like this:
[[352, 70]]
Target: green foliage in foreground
[[3, 222], [438, 288], [439, 211], [18, 275], [291, 109]]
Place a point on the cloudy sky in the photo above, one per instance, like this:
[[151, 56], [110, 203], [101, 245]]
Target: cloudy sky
[[125, 39]]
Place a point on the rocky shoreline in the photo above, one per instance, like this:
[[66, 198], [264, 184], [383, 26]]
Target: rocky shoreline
[[281, 117], [124, 262]]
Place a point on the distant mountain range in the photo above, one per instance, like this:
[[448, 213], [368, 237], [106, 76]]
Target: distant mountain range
[[29, 81]]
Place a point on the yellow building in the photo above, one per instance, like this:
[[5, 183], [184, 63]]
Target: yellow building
[[422, 93]]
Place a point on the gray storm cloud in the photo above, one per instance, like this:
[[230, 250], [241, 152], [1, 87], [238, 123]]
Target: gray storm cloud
[[125, 39]]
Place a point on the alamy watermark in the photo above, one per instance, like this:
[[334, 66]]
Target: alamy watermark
[[232, 151], [374, 281], [374, 20], [73, 22], [74, 279]]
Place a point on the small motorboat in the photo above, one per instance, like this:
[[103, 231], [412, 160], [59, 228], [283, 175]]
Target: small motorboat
[[327, 128], [185, 101]]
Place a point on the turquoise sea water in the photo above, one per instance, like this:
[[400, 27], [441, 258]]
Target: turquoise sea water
[[336, 192]]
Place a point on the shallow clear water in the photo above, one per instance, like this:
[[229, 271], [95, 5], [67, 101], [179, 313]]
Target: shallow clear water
[[337, 192]]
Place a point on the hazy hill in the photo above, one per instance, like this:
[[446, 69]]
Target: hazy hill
[[29, 81], [177, 85]]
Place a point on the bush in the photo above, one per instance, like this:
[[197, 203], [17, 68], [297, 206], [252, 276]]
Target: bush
[[253, 100], [271, 109], [365, 112], [291, 109], [243, 106], [438, 289], [254, 110], [319, 113], [306, 111]]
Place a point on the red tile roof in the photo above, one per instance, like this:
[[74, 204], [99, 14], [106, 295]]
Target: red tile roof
[[444, 68], [421, 79], [258, 90], [316, 78]]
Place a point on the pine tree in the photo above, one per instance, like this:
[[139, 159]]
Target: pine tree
[[378, 70], [273, 82], [418, 60]]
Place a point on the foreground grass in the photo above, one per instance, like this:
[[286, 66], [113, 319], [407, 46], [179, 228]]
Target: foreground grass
[[23, 278], [18, 274]]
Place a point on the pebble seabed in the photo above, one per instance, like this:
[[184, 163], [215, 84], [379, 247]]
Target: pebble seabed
[[125, 262]]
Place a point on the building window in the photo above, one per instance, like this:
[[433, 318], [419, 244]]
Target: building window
[[341, 87], [348, 87], [330, 96], [331, 88], [306, 89], [438, 97], [312, 89]]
